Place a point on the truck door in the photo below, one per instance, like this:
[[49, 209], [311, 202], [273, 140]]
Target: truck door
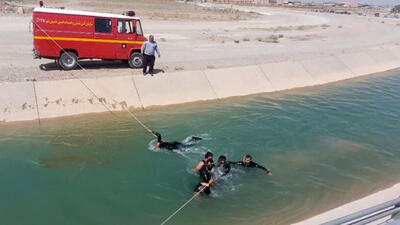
[[104, 43], [126, 36]]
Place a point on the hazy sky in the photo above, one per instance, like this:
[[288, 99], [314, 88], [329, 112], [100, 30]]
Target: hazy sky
[[372, 2]]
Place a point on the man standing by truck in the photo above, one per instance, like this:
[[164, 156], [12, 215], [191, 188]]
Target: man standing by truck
[[149, 48]]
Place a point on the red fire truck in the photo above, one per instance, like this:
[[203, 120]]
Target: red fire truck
[[67, 36]]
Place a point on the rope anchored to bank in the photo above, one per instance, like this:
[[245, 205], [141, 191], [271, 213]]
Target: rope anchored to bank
[[86, 86]]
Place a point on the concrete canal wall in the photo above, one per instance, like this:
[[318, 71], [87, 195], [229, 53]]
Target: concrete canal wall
[[49, 99]]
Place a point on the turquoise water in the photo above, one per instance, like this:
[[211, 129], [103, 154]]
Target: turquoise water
[[326, 146]]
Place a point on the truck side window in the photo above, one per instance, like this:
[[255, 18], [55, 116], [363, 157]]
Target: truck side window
[[125, 27], [102, 25], [139, 30]]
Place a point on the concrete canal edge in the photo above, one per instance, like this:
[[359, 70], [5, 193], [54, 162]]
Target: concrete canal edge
[[50, 99]]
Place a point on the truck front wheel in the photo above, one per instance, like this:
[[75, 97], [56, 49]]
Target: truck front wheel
[[136, 60], [68, 61]]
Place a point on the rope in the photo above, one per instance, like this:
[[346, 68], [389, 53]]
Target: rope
[[37, 105], [132, 115], [179, 209], [144, 126], [187, 202], [84, 84]]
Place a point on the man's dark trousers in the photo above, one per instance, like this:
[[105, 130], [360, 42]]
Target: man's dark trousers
[[148, 61]]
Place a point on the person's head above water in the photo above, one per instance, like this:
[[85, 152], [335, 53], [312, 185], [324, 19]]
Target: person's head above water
[[208, 156], [247, 159], [209, 164], [159, 139], [221, 160]]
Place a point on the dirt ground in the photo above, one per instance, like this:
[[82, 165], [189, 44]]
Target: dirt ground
[[190, 43], [151, 9]]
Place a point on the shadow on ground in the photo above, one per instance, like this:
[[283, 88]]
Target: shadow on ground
[[155, 71], [94, 65], [89, 65]]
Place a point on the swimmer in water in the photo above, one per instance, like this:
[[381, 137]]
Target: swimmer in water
[[206, 178], [175, 145], [208, 156], [223, 165], [248, 162]]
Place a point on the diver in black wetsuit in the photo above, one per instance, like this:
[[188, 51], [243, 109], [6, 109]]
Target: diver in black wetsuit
[[206, 179], [248, 162], [175, 145], [207, 156], [224, 165]]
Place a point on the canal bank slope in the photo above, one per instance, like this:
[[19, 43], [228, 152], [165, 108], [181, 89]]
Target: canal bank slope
[[356, 206], [34, 100]]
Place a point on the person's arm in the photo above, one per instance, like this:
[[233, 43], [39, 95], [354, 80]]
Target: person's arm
[[158, 135], [158, 51], [143, 48], [263, 168], [211, 182], [152, 132], [205, 184], [198, 166], [240, 163]]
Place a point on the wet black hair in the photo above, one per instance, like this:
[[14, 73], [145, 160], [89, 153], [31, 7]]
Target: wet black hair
[[208, 154], [247, 157], [221, 158]]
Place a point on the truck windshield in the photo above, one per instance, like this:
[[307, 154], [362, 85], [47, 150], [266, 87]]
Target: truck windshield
[[125, 27], [139, 30]]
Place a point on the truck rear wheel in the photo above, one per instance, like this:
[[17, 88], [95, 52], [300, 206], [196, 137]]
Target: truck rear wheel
[[68, 61], [136, 60]]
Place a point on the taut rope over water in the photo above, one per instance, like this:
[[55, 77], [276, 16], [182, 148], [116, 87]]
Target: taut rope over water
[[179, 209]]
